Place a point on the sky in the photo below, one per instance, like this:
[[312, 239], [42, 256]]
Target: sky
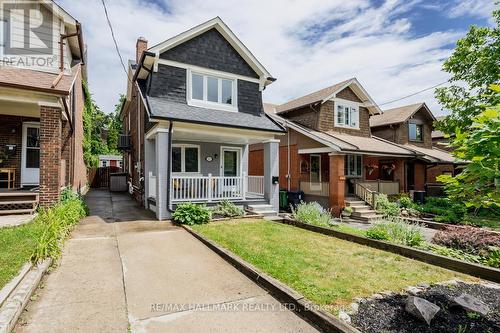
[[393, 47]]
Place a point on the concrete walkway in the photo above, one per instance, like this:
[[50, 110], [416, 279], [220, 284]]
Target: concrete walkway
[[15, 220], [122, 270]]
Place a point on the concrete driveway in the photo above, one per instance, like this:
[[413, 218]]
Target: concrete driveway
[[122, 270]]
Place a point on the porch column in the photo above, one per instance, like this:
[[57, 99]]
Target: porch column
[[162, 165], [149, 167], [271, 169], [337, 183], [50, 155]]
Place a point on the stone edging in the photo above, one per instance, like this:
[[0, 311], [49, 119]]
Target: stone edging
[[20, 295], [303, 307], [483, 272], [11, 286]]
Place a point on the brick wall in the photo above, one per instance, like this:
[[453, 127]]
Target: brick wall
[[66, 154], [256, 163], [79, 170], [438, 170], [50, 154]]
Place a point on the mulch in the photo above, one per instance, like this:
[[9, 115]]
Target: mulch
[[388, 314]]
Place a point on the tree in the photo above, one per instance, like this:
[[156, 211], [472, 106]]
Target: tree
[[478, 183], [473, 65], [115, 127]]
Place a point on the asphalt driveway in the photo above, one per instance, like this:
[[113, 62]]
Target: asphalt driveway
[[122, 270]]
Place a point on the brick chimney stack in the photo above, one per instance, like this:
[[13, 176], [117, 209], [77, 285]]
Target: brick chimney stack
[[140, 46]]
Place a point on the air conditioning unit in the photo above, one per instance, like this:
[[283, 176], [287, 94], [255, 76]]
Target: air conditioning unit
[[124, 142]]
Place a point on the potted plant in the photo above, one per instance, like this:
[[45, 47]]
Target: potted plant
[[389, 168], [347, 212], [3, 157]]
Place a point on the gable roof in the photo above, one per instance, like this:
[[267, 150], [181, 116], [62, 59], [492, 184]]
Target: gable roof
[[223, 29], [398, 115], [327, 93]]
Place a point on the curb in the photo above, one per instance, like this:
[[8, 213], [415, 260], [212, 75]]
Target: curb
[[480, 271], [301, 306], [19, 297], [11, 286]]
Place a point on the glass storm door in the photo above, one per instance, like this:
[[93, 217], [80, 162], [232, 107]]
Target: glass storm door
[[315, 172], [230, 161], [30, 154]]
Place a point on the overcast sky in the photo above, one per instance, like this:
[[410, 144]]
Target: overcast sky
[[393, 47]]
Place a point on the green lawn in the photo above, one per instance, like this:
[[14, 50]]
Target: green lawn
[[16, 247], [327, 270]]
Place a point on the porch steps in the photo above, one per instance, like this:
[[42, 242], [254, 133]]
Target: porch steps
[[361, 211], [18, 202], [262, 209]]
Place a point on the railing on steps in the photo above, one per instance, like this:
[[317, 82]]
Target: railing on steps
[[365, 194], [255, 185]]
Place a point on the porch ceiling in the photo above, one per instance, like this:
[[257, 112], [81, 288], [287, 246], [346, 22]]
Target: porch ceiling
[[19, 109]]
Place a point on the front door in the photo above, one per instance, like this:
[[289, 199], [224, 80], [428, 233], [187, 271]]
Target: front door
[[410, 176], [315, 172], [30, 154], [230, 163]]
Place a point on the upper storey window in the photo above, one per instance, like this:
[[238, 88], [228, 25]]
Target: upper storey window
[[346, 114], [211, 91], [415, 132]]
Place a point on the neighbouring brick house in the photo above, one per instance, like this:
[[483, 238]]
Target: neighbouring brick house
[[193, 106], [412, 126], [41, 106], [332, 154]]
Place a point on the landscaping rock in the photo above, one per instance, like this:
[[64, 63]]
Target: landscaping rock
[[345, 317], [414, 290], [421, 308], [471, 304]]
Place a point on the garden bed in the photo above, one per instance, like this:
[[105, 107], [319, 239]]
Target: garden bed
[[387, 314], [328, 271]]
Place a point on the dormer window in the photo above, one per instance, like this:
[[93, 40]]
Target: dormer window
[[415, 132], [212, 91], [346, 114]]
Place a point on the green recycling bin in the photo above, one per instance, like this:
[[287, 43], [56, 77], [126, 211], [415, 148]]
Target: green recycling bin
[[283, 200]]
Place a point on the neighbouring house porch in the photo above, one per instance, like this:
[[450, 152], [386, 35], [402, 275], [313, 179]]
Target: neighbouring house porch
[[206, 164]]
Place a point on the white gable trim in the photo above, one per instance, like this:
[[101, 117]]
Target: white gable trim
[[365, 97], [221, 27]]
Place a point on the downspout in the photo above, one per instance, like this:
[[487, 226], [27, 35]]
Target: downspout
[[169, 149], [288, 160]]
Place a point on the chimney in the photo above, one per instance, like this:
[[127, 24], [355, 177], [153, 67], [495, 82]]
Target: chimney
[[140, 46]]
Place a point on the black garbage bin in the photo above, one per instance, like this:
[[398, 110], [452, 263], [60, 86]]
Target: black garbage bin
[[419, 197], [295, 197]]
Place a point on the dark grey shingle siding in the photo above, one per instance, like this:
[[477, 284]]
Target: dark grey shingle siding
[[210, 50], [169, 82], [249, 98]]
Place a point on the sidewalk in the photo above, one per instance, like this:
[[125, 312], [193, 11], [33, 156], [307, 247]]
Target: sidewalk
[[147, 276]]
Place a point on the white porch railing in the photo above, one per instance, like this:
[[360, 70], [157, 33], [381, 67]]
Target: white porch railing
[[365, 194], [206, 188], [382, 186], [320, 189], [255, 185]]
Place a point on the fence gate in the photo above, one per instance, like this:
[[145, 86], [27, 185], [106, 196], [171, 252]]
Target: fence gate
[[99, 177]]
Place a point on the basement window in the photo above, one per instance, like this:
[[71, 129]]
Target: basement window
[[211, 91]]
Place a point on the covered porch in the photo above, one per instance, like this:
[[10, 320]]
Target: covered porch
[[32, 154], [186, 162]]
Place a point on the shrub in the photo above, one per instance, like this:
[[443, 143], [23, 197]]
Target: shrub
[[385, 207], [445, 209], [311, 213], [468, 239], [229, 209], [190, 213], [56, 223], [406, 202], [395, 231]]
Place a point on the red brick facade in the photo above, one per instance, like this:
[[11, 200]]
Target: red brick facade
[[50, 155]]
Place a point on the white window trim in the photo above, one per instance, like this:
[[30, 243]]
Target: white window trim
[[346, 172], [344, 102], [183, 159], [207, 104], [238, 163], [316, 186]]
